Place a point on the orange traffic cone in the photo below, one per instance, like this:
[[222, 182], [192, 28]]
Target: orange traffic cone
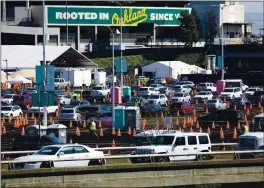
[[9, 120], [129, 131], [157, 125], [194, 112], [57, 113], [177, 122], [77, 131], [84, 124], [206, 110], [194, 119], [200, 130], [227, 125], [3, 120], [50, 121], [259, 126], [23, 131], [70, 126], [161, 115], [113, 131], [235, 108], [213, 125], [4, 130], [113, 144], [184, 121], [2, 125], [208, 131], [222, 136], [261, 109], [118, 132], [238, 126], [35, 121], [197, 125], [224, 100], [191, 122], [235, 134], [101, 132], [196, 102], [32, 116], [100, 125], [250, 107], [24, 122], [259, 104], [184, 125], [134, 132], [245, 106], [178, 113]]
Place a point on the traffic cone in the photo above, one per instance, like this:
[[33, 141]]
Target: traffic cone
[[213, 125], [227, 125], [57, 113], [113, 131], [101, 132], [197, 125], [4, 130], [184, 120], [194, 119], [35, 121], [177, 122], [194, 112], [9, 120], [224, 100], [196, 102], [191, 122], [70, 126], [259, 104], [235, 134], [84, 124], [191, 130], [23, 131], [3, 120], [157, 125], [118, 132], [134, 132], [24, 122], [245, 106], [167, 126], [178, 113], [2, 125], [238, 126], [261, 109], [224, 148], [208, 131], [222, 136], [50, 120], [200, 130], [100, 124], [70, 141], [129, 131], [235, 108], [113, 144], [250, 107], [161, 115], [206, 110], [32, 116], [77, 131]]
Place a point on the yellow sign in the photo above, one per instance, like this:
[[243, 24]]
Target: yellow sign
[[130, 17]]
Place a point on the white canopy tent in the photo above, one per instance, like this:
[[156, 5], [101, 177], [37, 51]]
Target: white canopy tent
[[3, 77], [19, 79]]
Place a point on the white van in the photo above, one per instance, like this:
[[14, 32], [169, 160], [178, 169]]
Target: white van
[[250, 141], [175, 143]]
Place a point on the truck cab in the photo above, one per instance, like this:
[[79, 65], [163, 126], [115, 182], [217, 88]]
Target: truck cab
[[229, 83], [175, 143]]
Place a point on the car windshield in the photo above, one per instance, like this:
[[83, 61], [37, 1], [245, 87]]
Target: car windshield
[[228, 90], [67, 111], [202, 93], [143, 89], [163, 140], [8, 97], [6, 108], [97, 88], [202, 85], [154, 97], [178, 95], [211, 101], [49, 150], [163, 89], [177, 87]]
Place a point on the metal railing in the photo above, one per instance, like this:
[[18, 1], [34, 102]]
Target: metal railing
[[133, 156], [107, 149]]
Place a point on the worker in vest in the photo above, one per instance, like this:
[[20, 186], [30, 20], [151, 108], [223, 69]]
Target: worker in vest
[[93, 129], [246, 129]]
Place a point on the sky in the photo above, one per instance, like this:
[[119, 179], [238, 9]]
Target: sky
[[253, 6]]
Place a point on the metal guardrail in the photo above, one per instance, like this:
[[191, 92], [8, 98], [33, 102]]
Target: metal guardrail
[[133, 156], [108, 148]]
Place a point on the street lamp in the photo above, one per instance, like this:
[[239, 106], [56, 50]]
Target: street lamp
[[113, 75]]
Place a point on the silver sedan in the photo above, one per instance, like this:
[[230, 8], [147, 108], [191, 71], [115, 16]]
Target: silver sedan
[[215, 104]]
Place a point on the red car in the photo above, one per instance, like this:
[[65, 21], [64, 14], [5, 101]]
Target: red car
[[183, 107]]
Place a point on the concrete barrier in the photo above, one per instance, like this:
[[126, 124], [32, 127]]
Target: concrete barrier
[[139, 175]]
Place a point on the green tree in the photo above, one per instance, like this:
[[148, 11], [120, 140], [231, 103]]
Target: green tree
[[211, 26], [189, 30]]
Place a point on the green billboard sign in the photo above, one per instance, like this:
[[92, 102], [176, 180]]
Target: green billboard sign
[[111, 16]]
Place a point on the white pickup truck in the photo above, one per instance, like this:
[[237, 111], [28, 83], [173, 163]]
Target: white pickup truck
[[60, 82], [100, 93], [50, 110]]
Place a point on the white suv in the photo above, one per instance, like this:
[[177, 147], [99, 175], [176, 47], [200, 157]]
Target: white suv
[[175, 143], [160, 99], [207, 87], [230, 93], [203, 96], [182, 88], [147, 91], [11, 111], [181, 97]]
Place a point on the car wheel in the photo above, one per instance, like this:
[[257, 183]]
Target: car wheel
[[166, 103], [94, 162], [94, 100], [20, 115], [11, 116]]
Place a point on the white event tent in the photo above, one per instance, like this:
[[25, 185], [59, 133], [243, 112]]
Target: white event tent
[[19, 79]]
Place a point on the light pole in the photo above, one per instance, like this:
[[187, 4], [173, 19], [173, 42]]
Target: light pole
[[222, 41], [44, 63], [6, 68], [113, 76]]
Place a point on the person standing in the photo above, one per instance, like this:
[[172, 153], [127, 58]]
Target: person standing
[[246, 129], [93, 129]]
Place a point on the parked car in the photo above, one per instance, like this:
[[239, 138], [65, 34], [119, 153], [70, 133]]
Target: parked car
[[77, 103], [187, 83], [136, 101], [182, 88], [8, 99], [147, 91], [157, 87], [160, 99], [230, 93], [100, 93], [251, 91], [64, 99], [76, 94], [181, 97], [168, 91], [153, 110], [215, 104], [11, 111], [175, 143], [182, 107], [70, 114], [68, 151], [91, 111], [220, 118], [203, 96], [87, 94], [258, 96], [207, 87], [240, 102]]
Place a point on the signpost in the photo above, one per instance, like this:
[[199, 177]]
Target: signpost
[[111, 16], [121, 67]]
